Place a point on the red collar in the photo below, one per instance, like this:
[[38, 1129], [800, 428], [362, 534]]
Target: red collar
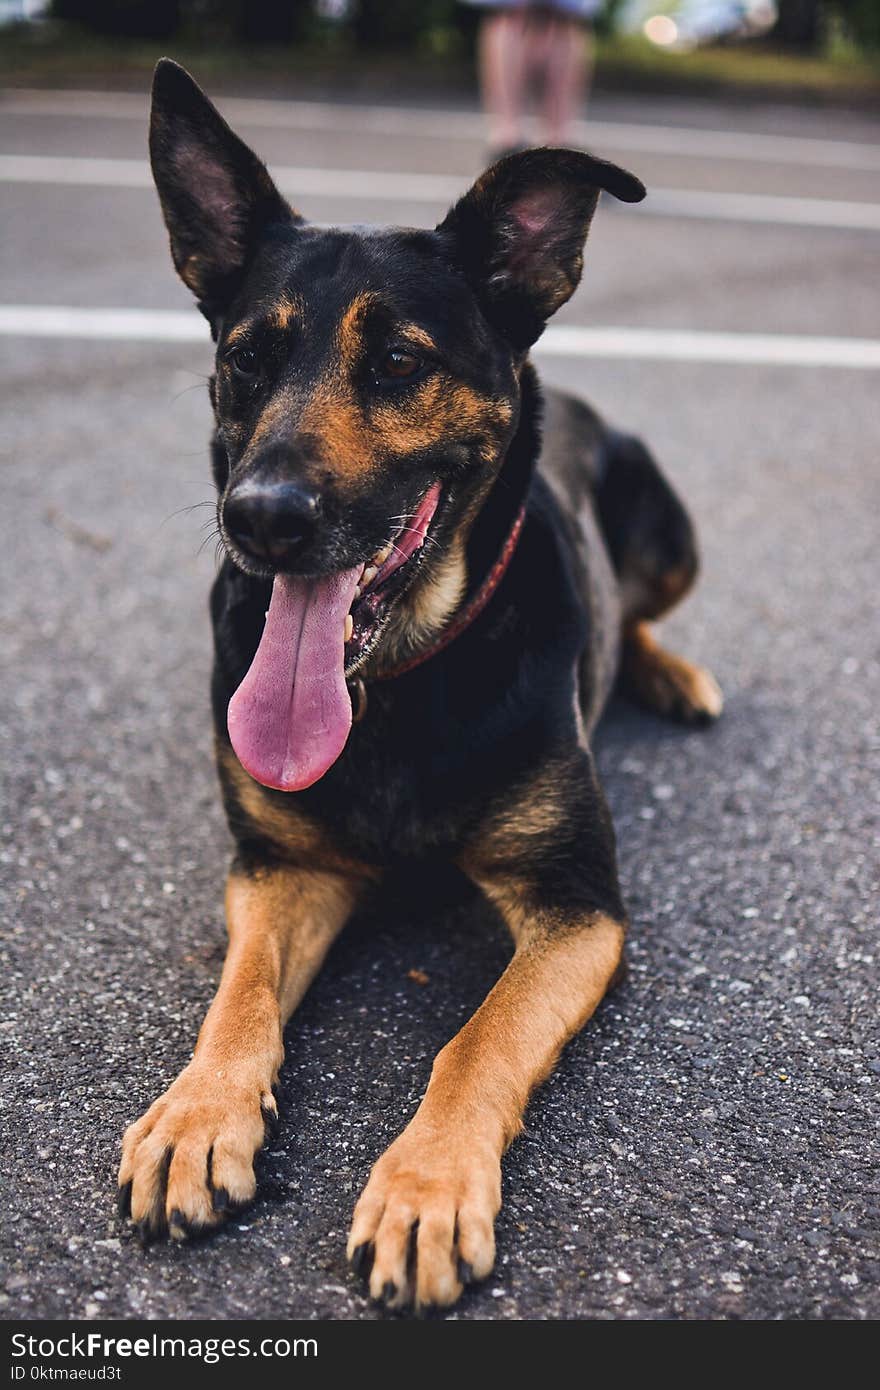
[[462, 620], [472, 609]]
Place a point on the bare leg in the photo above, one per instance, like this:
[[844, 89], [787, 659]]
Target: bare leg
[[568, 58], [190, 1157], [503, 62]]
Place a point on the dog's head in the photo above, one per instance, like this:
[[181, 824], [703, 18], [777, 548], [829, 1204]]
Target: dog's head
[[366, 391]]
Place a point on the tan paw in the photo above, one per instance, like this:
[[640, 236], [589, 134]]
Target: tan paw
[[189, 1160], [424, 1224], [687, 692], [677, 688]]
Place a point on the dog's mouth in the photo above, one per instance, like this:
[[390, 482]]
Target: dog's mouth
[[384, 578], [291, 716]]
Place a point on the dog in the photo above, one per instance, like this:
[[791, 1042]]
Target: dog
[[433, 573]]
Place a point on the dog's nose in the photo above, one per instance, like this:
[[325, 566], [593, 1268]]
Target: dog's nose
[[272, 522]]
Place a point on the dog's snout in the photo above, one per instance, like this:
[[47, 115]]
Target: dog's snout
[[272, 521]]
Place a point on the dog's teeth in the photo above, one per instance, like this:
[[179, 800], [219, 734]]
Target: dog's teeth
[[382, 555], [349, 627], [265, 615], [369, 575], [357, 593]]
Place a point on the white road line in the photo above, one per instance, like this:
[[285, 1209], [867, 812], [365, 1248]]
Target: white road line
[[656, 344], [305, 182], [54, 169], [684, 141], [763, 207], [362, 185], [131, 325], [697, 345]]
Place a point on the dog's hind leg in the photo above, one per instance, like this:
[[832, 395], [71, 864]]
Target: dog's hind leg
[[664, 682], [189, 1160], [653, 548]]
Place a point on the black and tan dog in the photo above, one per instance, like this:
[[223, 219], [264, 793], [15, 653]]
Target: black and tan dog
[[398, 539]]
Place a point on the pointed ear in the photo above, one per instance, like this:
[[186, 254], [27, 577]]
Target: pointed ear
[[216, 195], [518, 235]]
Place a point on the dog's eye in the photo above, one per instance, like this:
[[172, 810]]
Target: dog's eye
[[244, 362], [398, 365]]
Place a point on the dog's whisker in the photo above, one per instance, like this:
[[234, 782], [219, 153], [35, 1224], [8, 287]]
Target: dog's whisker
[[426, 539], [213, 534], [196, 386], [184, 511], [426, 542]]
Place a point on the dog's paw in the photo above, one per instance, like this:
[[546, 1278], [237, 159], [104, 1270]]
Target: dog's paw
[[189, 1161], [689, 693], [424, 1224], [676, 688]]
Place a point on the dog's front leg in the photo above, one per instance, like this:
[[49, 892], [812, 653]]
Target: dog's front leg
[[190, 1158], [427, 1214], [425, 1222]]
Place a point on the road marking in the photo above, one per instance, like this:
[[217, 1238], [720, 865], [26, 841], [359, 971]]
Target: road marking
[[304, 182], [685, 141], [361, 185], [656, 344], [844, 215], [133, 325], [697, 345]]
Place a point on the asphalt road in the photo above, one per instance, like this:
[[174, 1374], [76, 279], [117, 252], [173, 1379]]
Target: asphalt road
[[708, 1147]]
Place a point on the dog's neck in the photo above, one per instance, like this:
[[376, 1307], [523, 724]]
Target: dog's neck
[[510, 488]]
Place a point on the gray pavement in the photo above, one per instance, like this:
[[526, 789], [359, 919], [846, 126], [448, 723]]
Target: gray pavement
[[708, 1147]]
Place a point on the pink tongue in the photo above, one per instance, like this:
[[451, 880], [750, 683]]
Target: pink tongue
[[290, 717]]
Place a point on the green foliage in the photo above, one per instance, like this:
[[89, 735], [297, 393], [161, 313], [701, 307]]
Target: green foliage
[[861, 19], [148, 19], [438, 27], [398, 23], [374, 24]]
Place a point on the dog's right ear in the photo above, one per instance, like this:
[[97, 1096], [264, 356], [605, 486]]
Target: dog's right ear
[[216, 196]]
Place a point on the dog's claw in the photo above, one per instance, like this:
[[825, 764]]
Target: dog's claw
[[178, 1226], [146, 1233], [465, 1272], [123, 1201], [389, 1291], [269, 1112], [220, 1199], [362, 1259]]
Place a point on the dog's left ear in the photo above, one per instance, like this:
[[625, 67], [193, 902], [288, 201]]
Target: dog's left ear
[[216, 195], [518, 235]]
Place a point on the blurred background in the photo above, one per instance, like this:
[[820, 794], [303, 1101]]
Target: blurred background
[[702, 1151], [812, 46]]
